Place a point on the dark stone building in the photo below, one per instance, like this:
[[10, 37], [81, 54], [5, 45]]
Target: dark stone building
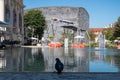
[[70, 20]]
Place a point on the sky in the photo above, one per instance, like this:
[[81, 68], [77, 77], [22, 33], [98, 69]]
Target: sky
[[101, 12]]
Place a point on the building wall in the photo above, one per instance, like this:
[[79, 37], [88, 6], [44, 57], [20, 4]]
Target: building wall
[[12, 13], [78, 15], [97, 32], [2, 10]]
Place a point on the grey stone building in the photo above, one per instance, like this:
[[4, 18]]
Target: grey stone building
[[11, 12], [71, 20]]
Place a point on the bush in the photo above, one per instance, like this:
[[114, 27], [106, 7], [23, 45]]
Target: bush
[[94, 44], [9, 42], [110, 45]]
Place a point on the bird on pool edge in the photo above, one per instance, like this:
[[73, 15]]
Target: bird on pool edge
[[59, 66]]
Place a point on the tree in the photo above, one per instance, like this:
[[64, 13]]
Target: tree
[[35, 23], [108, 32], [117, 29], [92, 36]]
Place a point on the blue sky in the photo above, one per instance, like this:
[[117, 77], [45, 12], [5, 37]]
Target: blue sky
[[101, 12]]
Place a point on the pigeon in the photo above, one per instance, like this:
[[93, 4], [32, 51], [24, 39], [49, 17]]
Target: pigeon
[[59, 66]]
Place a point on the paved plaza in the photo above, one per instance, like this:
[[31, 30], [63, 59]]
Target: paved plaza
[[63, 76]]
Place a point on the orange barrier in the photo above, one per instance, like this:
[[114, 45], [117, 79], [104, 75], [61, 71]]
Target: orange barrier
[[54, 45], [81, 45], [78, 45], [118, 46], [74, 45], [58, 44], [51, 45]]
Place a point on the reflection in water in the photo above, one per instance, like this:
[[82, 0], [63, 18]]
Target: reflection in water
[[11, 60], [103, 61], [117, 60], [74, 60], [2, 60], [34, 60]]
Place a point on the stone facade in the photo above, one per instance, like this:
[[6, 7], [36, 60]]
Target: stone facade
[[11, 12], [57, 17]]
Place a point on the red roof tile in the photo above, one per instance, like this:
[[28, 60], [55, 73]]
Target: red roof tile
[[96, 29]]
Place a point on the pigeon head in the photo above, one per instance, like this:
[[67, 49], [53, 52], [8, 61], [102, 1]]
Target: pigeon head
[[57, 59]]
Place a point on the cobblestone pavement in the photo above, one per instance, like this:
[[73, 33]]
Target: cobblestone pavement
[[63, 76]]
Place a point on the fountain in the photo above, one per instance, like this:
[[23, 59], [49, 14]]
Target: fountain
[[101, 41]]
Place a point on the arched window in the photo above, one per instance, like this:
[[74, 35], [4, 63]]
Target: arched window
[[14, 18], [7, 15], [20, 23]]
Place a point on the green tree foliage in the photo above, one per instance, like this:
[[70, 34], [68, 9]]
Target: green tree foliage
[[117, 29], [108, 32], [92, 35], [35, 22]]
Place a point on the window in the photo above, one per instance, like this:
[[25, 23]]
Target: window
[[20, 23], [14, 19], [7, 15]]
